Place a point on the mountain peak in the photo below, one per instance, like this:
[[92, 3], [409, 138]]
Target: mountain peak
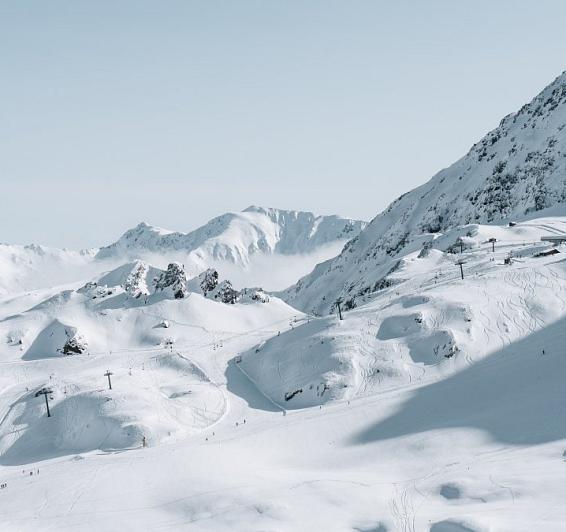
[[270, 210], [237, 236], [254, 208], [145, 228], [142, 225], [516, 170]]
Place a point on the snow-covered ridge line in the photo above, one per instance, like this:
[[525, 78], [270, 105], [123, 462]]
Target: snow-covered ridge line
[[516, 172], [231, 240], [236, 236]]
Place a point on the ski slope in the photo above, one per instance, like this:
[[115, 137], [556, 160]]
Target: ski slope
[[435, 405]]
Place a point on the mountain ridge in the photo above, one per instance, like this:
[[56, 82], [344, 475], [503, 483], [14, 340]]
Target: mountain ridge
[[236, 236], [231, 241], [515, 170]]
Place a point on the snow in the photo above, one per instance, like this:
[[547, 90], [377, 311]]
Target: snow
[[391, 433], [436, 403], [251, 240], [516, 172], [24, 268], [247, 247]]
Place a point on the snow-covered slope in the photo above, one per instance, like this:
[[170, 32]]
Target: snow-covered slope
[[426, 323], [133, 320], [437, 404], [236, 237], [32, 267], [516, 171]]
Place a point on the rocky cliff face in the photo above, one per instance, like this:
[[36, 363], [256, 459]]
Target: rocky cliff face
[[173, 280], [516, 171], [135, 283], [208, 281], [209, 285]]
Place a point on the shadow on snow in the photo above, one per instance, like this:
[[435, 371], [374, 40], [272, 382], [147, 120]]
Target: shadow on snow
[[517, 395], [238, 384]]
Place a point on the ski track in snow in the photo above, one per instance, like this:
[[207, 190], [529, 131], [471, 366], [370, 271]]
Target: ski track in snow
[[284, 465]]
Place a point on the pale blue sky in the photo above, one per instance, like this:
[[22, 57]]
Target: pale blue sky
[[175, 111]]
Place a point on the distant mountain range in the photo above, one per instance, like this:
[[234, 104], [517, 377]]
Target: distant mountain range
[[233, 239], [237, 236]]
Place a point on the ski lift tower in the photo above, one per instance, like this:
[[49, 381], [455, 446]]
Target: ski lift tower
[[338, 301], [461, 262], [45, 391], [108, 374]]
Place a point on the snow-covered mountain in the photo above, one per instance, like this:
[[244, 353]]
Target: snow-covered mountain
[[179, 401], [31, 267], [439, 401], [247, 246], [237, 236], [118, 309], [425, 320], [516, 171]]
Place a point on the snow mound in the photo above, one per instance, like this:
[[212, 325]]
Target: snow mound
[[56, 339], [79, 423], [178, 400], [299, 368]]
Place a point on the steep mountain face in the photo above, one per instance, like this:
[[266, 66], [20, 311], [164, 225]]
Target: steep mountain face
[[173, 281], [235, 237], [514, 172]]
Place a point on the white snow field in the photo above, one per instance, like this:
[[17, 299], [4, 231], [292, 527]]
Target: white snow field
[[438, 404], [32, 267]]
